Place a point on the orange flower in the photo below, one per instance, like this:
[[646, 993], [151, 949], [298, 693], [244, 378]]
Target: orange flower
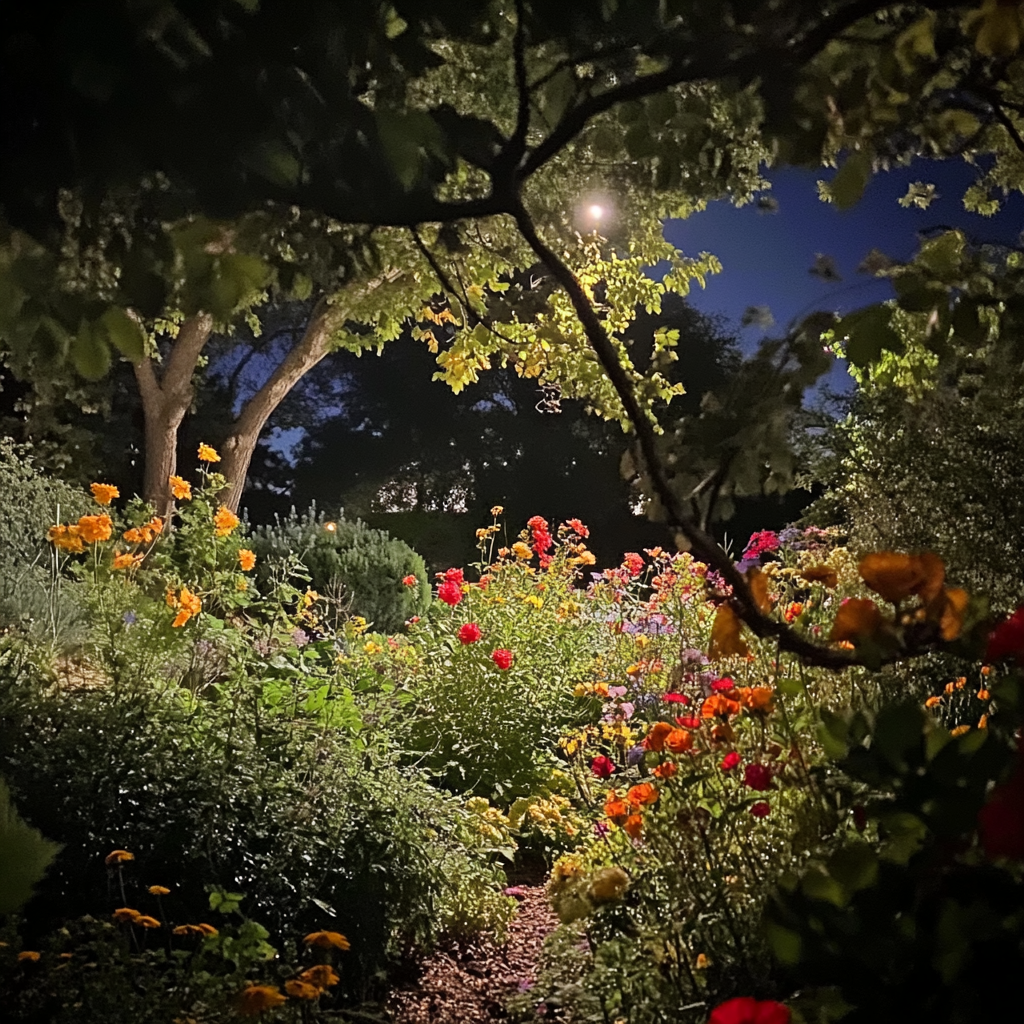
[[822, 574], [633, 826], [207, 929], [615, 810], [322, 975], [187, 603], [983, 694], [793, 611], [67, 538], [133, 536], [655, 739], [933, 702], [666, 770], [642, 794], [723, 732], [126, 560], [225, 520], [756, 698], [208, 454], [679, 741], [28, 954], [719, 705], [254, 999], [187, 930], [159, 890], [757, 581], [126, 915], [94, 529], [302, 989], [954, 611], [246, 559], [959, 730], [180, 488], [856, 617], [894, 576], [104, 493], [147, 922], [725, 635], [118, 857], [325, 940]]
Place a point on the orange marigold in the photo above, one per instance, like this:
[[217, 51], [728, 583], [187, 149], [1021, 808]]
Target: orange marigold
[[246, 559], [254, 999], [756, 698], [719, 705], [633, 826], [655, 739], [187, 603], [126, 915], [302, 989], [118, 857], [225, 520], [67, 538], [94, 529], [322, 975], [679, 741], [147, 922], [856, 617], [642, 794], [666, 770], [28, 954], [208, 454], [325, 940], [180, 488], [615, 809], [104, 494]]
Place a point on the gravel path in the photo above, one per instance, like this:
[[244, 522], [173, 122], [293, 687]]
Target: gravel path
[[467, 982]]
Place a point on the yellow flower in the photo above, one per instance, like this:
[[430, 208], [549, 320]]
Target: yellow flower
[[325, 940], [126, 915], [322, 975], [28, 954], [67, 538], [533, 599], [158, 890], [521, 550], [104, 493], [608, 884], [147, 922], [180, 488], [959, 730], [94, 529], [207, 929], [225, 520], [254, 999], [302, 989], [497, 510], [118, 857], [246, 559], [126, 560], [208, 454]]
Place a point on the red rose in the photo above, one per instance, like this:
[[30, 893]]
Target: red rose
[[747, 1010], [1007, 639], [758, 776], [602, 766], [450, 592], [453, 576], [469, 633], [502, 658], [730, 761], [760, 810]]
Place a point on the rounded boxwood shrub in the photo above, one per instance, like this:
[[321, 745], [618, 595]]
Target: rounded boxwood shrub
[[361, 566]]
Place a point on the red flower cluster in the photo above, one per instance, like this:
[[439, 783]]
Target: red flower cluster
[[409, 581], [633, 562], [502, 658], [760, 543], [1007, 639], [542, 541], [747, 1010], [577, 527], [757, 776], [469, 633], [450, 590]]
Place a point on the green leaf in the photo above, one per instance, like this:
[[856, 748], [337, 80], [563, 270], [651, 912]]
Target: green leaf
[[899, 730], [407, 137], [854, 867], [847, 187], [817, 885], [125, 333], [90, 353], [868, 333], [640, 143], [786, 944], [833, 733], [24, 856], [943, 256]]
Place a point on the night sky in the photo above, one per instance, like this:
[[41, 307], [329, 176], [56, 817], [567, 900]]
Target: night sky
[[766, 258]]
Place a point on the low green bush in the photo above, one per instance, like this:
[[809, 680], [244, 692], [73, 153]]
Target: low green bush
[[359, 568]]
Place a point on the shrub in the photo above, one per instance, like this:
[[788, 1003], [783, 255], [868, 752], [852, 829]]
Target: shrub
[[361, 568]]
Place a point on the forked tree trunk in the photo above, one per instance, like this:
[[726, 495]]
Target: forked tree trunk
[[237, 451], [165, 400]]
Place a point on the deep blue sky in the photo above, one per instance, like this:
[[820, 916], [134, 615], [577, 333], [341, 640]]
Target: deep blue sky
[[766, 258]]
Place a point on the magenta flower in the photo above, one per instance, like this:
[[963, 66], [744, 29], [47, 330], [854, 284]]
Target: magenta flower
[[730, 761], [602, 766], [758, 776], [761, 809]]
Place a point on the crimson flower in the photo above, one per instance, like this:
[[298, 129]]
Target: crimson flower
[[1007, 639], [730, 761], [758, 776], [761, 810], [577, 527], [633, 562], [747, 1010], [502, 657], [453, 576], [469, 633], [676, 698], [450, 592], [409, 581], [1001, 820], [723, 685], [688, 722], [602, 766]]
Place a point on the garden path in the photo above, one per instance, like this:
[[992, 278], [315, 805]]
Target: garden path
[[467, 982]]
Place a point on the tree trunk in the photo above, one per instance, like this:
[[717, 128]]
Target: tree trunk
[[164, 404], [237, 450]]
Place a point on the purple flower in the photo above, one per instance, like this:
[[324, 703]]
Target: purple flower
[[601, 829], [300, 636], [634, 755], [129, 618], [616, 691], [627, 710]]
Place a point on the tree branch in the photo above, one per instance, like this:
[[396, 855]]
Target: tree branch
[[703, 545]]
